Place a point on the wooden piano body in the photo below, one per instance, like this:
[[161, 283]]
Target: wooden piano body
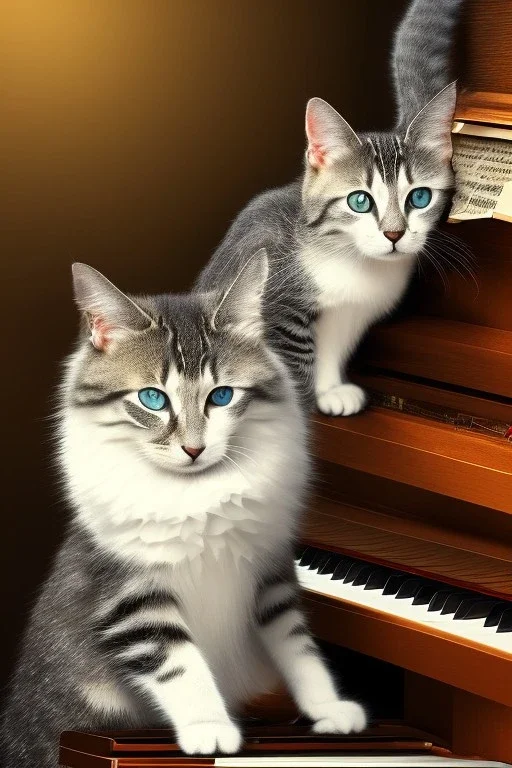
[[422, 481]]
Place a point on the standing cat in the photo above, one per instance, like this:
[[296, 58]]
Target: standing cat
[[344, 241], [173, 599]]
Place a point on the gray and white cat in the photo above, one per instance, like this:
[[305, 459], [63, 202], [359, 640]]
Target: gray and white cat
[[173, 599], [344, 241]]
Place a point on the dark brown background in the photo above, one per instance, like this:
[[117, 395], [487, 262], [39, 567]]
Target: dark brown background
[[131, 133]]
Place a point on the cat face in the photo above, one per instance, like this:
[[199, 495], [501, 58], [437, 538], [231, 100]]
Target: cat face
[[377, 195], [176, 377]]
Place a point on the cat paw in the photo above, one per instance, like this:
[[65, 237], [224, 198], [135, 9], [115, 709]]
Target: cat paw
[[339, 717], [209, 738], [341, 400]]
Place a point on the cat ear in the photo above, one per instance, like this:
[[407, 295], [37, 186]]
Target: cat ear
[[432, 126], [329, 135], [110, 313], [240, 306]]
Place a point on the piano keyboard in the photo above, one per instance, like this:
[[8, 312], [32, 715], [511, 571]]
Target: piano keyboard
[[457, 612]]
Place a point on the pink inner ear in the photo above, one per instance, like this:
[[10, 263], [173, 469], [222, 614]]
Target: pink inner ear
[[316, 155], [100, 333], [316, 152]]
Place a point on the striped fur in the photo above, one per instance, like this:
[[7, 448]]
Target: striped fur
[[422, 53], [160, 609], [333, 271]]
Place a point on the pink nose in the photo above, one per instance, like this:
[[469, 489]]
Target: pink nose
[[394, 236], [193, 452]]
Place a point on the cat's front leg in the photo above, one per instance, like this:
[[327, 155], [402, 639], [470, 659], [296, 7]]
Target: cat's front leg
[[285, 635], [152, 649], [338, 331]]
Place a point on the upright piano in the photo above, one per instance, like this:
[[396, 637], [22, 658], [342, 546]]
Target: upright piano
[[407, 547]]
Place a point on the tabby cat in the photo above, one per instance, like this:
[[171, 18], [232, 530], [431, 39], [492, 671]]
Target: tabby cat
[[344, 241], [173, 599]]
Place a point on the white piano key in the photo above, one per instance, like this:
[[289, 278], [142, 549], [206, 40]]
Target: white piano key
[[473, 629], [346, 760]]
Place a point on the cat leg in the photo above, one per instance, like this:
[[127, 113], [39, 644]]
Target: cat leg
[[338, 332], [153, 650], [286, 637]]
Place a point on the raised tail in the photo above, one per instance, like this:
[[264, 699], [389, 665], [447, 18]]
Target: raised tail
[[422, 53]]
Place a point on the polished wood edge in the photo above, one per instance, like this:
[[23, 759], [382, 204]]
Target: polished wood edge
[[387, 520], [72, 758], [420, 453], [497, 409], [484, 107], [366, 535], [470, 356], [458, 662]]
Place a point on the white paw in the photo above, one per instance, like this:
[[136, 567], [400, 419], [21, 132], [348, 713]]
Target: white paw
[[209, 738], [341, 400], [339, 717]]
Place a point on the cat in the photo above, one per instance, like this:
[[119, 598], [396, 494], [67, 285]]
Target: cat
[[173, 599], [344, 240]]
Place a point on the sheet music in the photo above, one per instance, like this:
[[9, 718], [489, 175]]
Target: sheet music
[[483, 168]]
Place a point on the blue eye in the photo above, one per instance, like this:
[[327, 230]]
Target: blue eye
[[221, 396], [420, 197], [360, 202], [154, 399]]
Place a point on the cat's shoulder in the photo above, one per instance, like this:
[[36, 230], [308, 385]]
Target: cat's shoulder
[[277, 201]]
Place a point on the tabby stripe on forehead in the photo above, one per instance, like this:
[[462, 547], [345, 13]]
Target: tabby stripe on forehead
[[165, 369], [323, 213], [177, 354], [203, 330], [379, 155], [143, 417], [205, 343], [398, 155], [214, 370], [102, 399]]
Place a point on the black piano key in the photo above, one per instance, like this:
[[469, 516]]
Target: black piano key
[[475, 608], [425, 594], [409, 588], [454, 600], [329, 565], [394, 583], [307, 556], [354, 570], [377, 578], [495, 615], [505, 624], [439, 598], [342, 568], [319, 559], [363, 575]]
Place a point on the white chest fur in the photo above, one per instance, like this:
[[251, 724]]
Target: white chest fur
[[145, 514], [351, 279]]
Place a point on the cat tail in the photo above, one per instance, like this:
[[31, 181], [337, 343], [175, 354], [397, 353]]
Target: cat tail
[[422, 54]]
